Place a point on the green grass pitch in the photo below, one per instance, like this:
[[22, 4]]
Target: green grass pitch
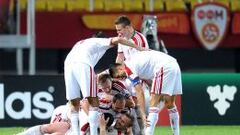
[[185, 130]]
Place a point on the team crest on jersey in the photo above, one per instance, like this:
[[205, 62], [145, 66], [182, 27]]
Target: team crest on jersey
[[210, 23]]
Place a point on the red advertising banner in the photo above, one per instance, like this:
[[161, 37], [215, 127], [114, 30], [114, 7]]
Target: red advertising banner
[[64, 29], [236, 23], [167, 22]]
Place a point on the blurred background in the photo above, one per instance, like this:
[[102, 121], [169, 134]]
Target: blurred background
[[203, 35]]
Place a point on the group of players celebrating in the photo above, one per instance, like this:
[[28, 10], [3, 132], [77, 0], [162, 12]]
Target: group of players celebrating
[[113, 101]]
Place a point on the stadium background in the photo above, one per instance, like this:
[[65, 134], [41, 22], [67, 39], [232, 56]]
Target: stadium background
[[60, 23]]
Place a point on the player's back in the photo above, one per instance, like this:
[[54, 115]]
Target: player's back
[[146, 63], [139, 39], [89, 50]]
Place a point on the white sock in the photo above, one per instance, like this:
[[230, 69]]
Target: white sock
[[174, 120], [152, 118], [32, 131], [83, 120], [161, 105], [75, 123], [93, 120]]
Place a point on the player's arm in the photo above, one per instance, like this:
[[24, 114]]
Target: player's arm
[[130, 102], [120, 57], [102, 125], [141, 100], [119, 40], [140, 96]]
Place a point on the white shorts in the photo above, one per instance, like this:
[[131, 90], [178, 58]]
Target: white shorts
[[168, 80], [80, 80]]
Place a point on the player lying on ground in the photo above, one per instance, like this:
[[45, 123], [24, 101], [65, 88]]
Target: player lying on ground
[[59, 125]]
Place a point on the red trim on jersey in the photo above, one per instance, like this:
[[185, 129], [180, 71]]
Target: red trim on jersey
[[139, 40], [119, 85], [135, 40], [95, 82], [161, 81], [128, 70], [91, 82], [119, 132], [143, 42], [154, 86]]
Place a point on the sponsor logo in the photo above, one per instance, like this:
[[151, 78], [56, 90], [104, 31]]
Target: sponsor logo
[[210, 21], [222, 98], [38, 104]]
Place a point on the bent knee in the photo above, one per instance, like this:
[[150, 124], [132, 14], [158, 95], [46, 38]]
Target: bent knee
[[169, 101], [75, 103], [93, 101], [154, 100]]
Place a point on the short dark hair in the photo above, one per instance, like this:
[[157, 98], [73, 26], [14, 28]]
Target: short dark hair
[[119, 97], [124, 20], [99, 34], [113, 69], [103, 78]]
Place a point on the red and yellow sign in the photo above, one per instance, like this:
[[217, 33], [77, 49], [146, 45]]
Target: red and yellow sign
[[167, 22]]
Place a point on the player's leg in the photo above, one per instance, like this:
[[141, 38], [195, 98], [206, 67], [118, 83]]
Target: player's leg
[[156, 101], [72, 95], [88, 85], [173, 87], [153, 113], [93, 114], [173, 113], [57, 128], [83, 114], [74, 116], [36, 130]]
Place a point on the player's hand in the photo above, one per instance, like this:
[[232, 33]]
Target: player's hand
[[147, 123], [103, 122], [139, 48]]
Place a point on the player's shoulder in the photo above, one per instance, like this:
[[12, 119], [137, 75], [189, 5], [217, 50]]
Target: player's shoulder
[[118, 85], [138, 34], [61, 109]]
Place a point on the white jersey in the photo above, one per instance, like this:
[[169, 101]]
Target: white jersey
[[146, 63], [60, 114], [159, 67], [105, 101], [137, 38], [89, 51]]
